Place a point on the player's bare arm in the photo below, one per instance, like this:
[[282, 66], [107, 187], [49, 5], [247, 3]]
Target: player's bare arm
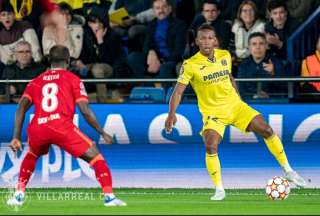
[[90, 117], [23, 107], [173, 104]]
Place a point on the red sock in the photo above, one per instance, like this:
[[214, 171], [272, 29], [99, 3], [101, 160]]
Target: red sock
[[103, 173], [27, 167]]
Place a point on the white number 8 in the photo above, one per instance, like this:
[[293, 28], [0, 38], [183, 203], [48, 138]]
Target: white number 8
[[49, 101]]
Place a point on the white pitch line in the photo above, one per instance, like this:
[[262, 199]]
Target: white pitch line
[[168, 193]]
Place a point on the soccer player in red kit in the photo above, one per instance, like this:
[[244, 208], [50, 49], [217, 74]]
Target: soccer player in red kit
[[54, 95]]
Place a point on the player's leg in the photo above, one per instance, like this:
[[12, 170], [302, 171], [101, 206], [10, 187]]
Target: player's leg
[[36, 149], [79, 145], [212, 140], [275, 146], [103, 175], [212, 133], [26, 169]]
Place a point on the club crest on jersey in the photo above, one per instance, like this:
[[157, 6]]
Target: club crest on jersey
[[224, 62]]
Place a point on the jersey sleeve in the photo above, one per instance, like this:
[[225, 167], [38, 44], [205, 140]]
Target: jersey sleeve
[[186, 73], [79, 91], [28, 92], [229, 60]]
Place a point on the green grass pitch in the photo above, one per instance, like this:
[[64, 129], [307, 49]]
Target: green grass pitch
[[164, 202]]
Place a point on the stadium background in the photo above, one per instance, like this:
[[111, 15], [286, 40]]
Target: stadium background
[[143, 155]]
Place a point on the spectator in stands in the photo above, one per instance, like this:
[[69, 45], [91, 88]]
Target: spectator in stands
[[12, 32], [34, 11], [311, 68], [74, 33], [280, 27], [211, 14], [260, 64], [164, 44], [28, 10], [134, 26], [23, 68], [246, 23], [229, 8], [102, 54]]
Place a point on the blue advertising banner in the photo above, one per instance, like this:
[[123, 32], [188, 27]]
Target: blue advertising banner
[[143, 155]]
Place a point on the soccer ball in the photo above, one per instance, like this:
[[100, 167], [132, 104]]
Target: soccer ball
[[278, 188]]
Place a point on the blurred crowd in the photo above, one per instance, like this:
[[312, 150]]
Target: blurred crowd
[[152, 40]]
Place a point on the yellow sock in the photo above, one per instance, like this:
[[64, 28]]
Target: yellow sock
[[275, 146], [214, 170]]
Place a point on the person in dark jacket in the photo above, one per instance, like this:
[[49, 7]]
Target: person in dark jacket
[[134, 26], [102, 54], [23, 68], [164, 44], [211, 14], [280, 27], [260, 64]]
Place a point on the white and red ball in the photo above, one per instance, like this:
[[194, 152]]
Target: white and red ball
[[278, 188]]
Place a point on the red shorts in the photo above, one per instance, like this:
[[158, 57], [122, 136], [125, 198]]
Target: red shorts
[[66, 135]]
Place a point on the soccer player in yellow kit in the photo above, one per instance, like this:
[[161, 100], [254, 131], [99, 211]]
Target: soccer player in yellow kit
[[209, 72]]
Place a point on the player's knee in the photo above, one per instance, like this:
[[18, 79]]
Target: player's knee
[[267, 131], [212, 148], [90, 154]]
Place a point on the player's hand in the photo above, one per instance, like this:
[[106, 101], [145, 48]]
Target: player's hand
[[15, 146], [107, 138], [170, 122]]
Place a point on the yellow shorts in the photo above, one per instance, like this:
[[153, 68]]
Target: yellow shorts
[[239, 116]]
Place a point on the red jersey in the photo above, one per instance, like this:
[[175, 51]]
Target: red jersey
[[54, 94]]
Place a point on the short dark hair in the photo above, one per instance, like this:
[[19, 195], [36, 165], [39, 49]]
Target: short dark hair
[[6, 6], [214, 2], [257, 34], [64, 6], [206, 26], [59, 54], [100, 14], [273, 4]]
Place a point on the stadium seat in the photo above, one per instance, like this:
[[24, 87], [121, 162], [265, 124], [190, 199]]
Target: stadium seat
[[147, 95]]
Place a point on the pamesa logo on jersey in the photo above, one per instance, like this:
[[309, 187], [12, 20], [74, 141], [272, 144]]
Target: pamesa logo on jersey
[[216, 75]]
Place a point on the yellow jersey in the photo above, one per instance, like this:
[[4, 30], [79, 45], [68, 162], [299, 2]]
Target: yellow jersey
[[210, 79]]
